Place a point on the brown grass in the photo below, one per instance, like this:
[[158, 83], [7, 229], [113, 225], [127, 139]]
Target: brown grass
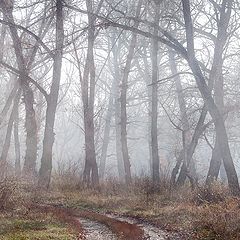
[[201, 214]]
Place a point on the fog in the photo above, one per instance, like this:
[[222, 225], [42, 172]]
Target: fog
[[120, 89]]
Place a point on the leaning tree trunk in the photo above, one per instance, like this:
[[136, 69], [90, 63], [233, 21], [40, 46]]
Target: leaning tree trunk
[[186, 138], [199, 129], [208, 99], [216, 76], [48, 140]]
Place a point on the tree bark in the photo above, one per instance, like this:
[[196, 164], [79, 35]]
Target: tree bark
[[30, 124], [17, 145], [217, 77], [154, 110], [209, 101], [29, 167], [8, 103], [107, 129], [6, 145], [2, 40], [186, 138], [117, 112], [123, 100], [48, 140], [146, 75], [90, 174]]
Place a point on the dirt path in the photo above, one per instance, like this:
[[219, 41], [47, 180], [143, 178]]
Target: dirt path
[[95, 226], [96, 231], [150, 232], [121, 229]]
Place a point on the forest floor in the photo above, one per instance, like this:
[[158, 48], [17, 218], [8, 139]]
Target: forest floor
[[34, 225], [117, 212]]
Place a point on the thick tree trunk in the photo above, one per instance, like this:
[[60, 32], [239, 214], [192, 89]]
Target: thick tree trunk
[[48, 140], [30, 124], [215, 164], [154, 110], [208, 99], [29, 167], [90, 174]]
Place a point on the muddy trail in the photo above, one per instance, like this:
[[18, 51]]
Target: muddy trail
[[151, 232], [95, 226], [96, 231]]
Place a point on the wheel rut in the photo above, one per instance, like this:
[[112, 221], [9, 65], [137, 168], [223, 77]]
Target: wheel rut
[[96, 226]]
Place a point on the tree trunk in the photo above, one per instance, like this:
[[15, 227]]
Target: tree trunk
[[90, 174], [120, 164], [29, 167], [217, 78], [17, 146], [8, 103], [30, 124], [123, 100], [208, 99], [215, 164], [2, 40], [184, 122], [146, 75], [154, 111], [48, 140], [6, 145], [117, 107], [199, 129], [107, 129]]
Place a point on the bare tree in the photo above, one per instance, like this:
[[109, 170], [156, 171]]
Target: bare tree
[[154, 110], [52, 101], [208, 99]]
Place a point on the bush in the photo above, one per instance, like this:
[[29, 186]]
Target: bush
[[215, 193]]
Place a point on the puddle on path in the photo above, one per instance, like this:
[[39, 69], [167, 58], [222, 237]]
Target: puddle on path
[[150, 232]]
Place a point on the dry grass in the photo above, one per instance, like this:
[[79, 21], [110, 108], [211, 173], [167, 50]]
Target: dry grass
[[20, 221], [202, 214], [32, 226]]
